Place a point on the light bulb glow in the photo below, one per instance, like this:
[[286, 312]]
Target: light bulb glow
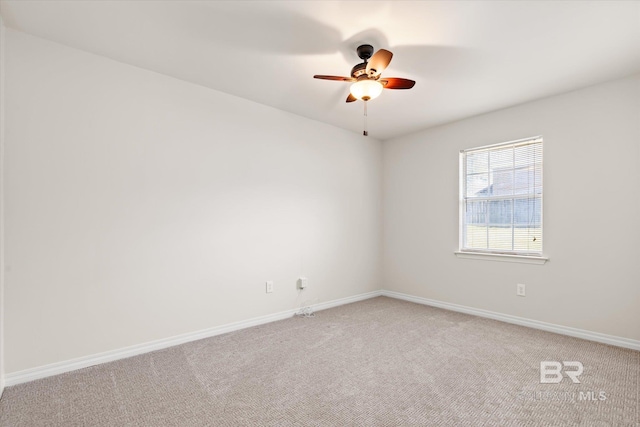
[[366, 89]]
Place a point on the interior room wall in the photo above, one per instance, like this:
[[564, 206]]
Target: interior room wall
[[2, 121], [591, 210], [140, 207]]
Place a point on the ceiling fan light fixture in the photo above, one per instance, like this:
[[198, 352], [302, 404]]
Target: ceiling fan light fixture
[[366, 89]]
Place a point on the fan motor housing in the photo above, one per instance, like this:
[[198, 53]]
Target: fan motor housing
[[359, 70]]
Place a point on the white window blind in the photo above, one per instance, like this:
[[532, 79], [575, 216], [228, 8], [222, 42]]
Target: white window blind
[[501, 198]]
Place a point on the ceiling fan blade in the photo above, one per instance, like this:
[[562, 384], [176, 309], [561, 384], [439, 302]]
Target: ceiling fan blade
[[351, 98], [338, 78], [378, 62], [397, 83]]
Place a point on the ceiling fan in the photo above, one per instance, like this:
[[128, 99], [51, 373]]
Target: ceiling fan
[[365, 76]]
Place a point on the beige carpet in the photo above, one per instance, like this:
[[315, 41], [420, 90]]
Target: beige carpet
[[380, 362]]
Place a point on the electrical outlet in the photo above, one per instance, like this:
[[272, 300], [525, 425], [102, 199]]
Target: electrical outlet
[[520, 290], [269, 287], [303, 282]]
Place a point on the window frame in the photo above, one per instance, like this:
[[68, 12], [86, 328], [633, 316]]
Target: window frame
[[494, 254]]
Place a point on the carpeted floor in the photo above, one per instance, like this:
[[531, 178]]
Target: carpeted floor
[[380, 362]]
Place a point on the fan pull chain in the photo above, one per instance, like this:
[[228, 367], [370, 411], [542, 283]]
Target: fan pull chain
[[365, 132]]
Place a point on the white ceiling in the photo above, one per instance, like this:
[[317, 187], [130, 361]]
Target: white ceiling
[[467, 57]]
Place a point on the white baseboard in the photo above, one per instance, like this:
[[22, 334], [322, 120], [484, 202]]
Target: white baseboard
[[536, 324], [109, 356], [31, 374]]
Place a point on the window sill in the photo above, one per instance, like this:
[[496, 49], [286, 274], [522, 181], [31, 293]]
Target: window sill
[[526, 259]]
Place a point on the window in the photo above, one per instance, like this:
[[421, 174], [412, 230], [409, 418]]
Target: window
[[501, 198]]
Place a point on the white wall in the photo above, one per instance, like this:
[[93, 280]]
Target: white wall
[[140, 207], [2, 121], [591, 212]]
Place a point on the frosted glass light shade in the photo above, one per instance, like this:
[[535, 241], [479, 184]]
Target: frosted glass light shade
[[366, 89]]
